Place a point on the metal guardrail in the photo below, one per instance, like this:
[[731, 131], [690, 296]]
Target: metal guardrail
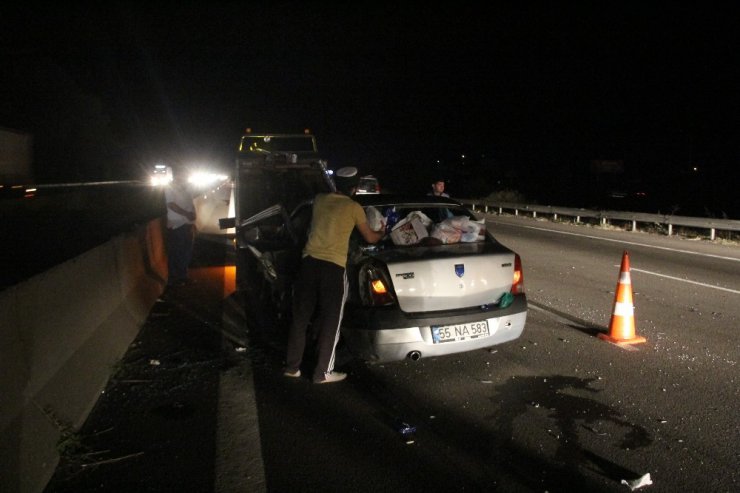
[[604, 216]]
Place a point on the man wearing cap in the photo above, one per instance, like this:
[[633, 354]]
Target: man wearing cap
[[321, 285]]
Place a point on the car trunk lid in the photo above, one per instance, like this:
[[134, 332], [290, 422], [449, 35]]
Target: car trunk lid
[[448, 278]]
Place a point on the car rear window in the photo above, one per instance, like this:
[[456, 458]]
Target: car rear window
[[368, 184]]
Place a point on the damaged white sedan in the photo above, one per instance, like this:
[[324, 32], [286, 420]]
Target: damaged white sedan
[[437, 284], [442, 286]]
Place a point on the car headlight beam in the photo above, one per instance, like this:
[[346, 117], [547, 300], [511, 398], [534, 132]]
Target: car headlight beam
[[204, 179]]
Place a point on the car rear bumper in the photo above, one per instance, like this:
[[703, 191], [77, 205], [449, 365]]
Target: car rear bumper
[[411, 337]]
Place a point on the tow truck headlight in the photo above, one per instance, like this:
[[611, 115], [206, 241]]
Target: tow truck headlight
[[161, 175], [205, 179]]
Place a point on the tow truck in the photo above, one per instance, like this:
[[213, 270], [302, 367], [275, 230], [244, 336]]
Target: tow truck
[[273, 174]]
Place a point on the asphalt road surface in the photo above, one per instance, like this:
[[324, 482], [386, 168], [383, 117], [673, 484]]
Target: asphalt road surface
[[199, 402]]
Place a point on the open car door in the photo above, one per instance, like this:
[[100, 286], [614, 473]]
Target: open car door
[[274, 174]]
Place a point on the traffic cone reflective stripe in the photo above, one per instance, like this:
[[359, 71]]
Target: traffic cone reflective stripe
[[622, 324], [623, 310], [624, 276]]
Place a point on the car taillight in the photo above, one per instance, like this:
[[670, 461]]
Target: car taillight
[[517, 284], [379, 293], [377, 288]]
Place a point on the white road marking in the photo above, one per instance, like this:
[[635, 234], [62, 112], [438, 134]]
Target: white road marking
[[734, 291], [676, 250], [239, 465]]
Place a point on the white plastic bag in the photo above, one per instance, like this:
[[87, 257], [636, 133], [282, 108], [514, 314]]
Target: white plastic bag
[[457, 229], [411, 229], [421, 216], [470, 232], [446, 232], [374, 218], [482, 231]]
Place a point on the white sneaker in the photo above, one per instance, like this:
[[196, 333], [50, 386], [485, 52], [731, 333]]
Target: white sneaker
[[292, 374], [331, 377]]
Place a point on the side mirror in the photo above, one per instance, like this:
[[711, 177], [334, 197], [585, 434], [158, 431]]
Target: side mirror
[[227, 222]]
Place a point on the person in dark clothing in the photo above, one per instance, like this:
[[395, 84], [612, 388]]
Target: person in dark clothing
[[438, 188], [180, 229], [321, 285]]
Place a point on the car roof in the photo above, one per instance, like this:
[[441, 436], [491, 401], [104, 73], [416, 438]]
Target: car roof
[[381, 199]]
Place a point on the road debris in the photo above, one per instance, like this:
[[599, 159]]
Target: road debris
[[638, 483], [111, 461], [406, 430], [595, 431]]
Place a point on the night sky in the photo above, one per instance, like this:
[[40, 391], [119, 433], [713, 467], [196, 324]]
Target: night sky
[[529, 93]]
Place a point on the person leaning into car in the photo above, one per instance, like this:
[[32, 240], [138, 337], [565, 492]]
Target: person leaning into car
[[321, 285]]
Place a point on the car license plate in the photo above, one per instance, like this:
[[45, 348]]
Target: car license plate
[[459, 332]]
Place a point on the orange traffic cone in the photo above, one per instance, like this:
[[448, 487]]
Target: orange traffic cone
[[622, 324]]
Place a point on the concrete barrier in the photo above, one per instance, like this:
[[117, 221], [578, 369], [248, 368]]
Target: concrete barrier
[[61, 334]]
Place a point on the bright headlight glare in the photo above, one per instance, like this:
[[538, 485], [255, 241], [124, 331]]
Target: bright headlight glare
[[204, 178], [160, 180]]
